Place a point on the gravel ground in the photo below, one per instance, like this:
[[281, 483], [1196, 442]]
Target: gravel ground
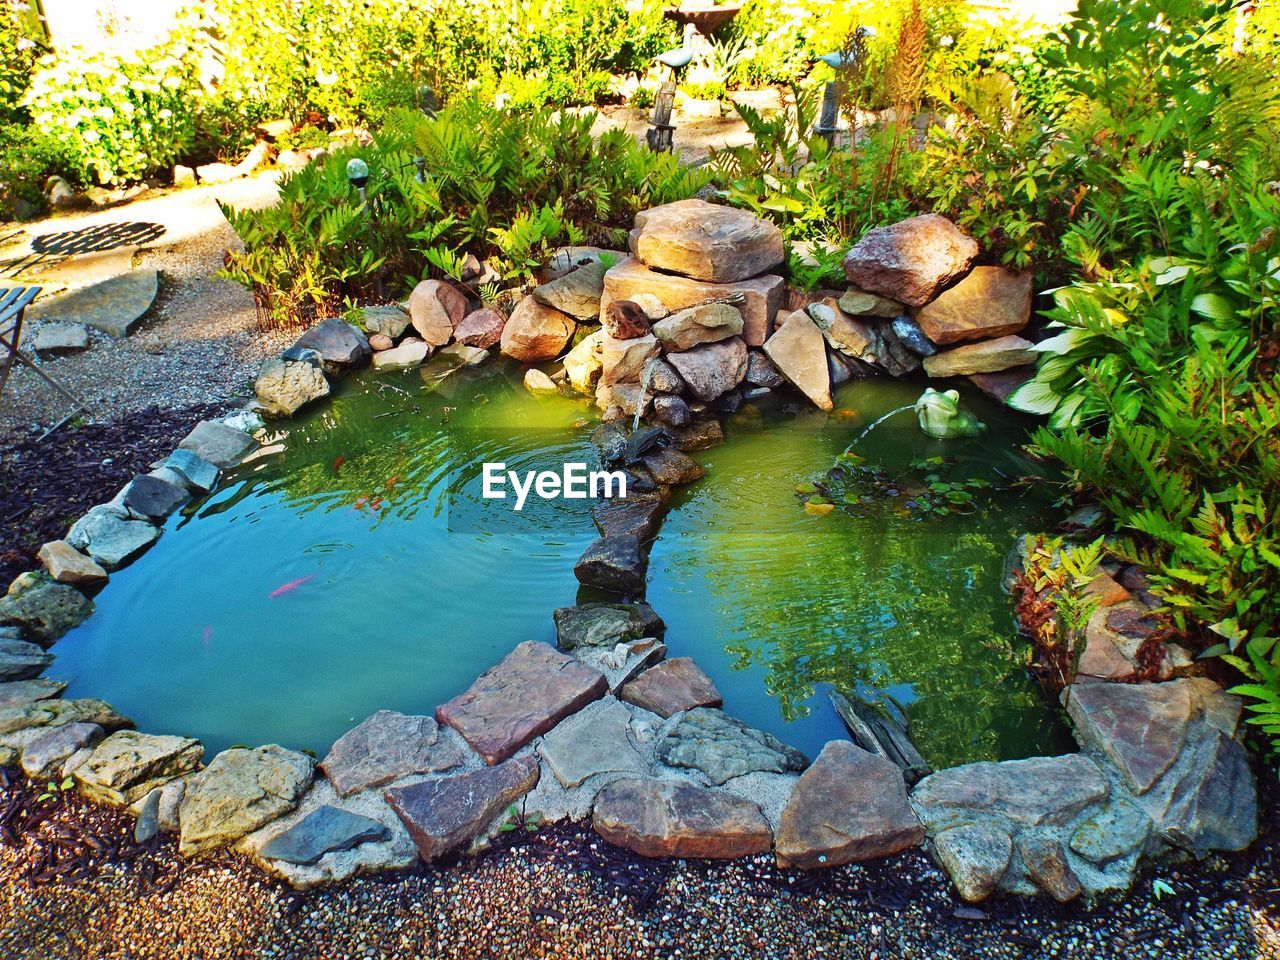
[[198, 344], [563, 893]]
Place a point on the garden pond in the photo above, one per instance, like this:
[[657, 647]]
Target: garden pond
[[354, 566]]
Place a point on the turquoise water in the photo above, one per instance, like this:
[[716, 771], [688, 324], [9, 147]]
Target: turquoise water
[[354, 567]]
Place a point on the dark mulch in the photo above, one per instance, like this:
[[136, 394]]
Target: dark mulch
[[45, 485]]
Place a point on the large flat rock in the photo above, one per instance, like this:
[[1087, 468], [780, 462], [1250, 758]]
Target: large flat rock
[[713, 368], [615, 564], [990, 302], [340, 345], [42, 610], [327, 829], [1039, 790], [605, 624], [912, 260], [219, 444], [757, 299], [672, 687], [43, 756], [1141, 728], [850, 805], [238, 792], [987, 356], [19, 693], [529, 692], [723, 747], [706, 241], [799, 352], [577, 292], [113, 306], [111, 540], [386, 747], [57, 713], [20, 660], [657, 818], [594, 741], [128, 765], [444, 815]]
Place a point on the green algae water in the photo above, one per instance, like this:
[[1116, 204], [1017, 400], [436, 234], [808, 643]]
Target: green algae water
[[354, 567]]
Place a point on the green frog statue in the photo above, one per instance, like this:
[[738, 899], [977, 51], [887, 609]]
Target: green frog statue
[[940, 416]]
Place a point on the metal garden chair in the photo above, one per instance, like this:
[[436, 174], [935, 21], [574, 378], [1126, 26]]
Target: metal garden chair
[[13, 306]]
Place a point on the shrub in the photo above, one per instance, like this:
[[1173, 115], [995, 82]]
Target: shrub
[[119, 115], [500, 184], [27, 159]]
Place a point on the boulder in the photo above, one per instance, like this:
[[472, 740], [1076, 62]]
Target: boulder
[[850, 805], [539, 384], [386, 747], [480, 328], [845, 333], [284, 387], [713, 368], [238, 792], [605, 624], [975, 856], [529, 692], [616, 564], [65, 564], [1001, 384], [20, 693], [625, 319], [860, 303], [44, 610], [197, 474], [892, 355], [699, 435], [799, 351], [407, 356], [219, 444], [110, 539], [673, 411], [577, 292], [435, 308], [988, 356], [761, 372], [1035, 791], [624, 398], [638, 515], [567, 259], [594, 741], [656, 818], [43, 756], [340, 345], [912, 337], [705, 323], [584, 363], [664, 379], [760, 298], [445, 815], [724, 747], [1046, 865], [672, 687], [704, 241], [672, 468], [990, 302], [390, 321], [912, 260], [154, 498], [535, 332], [326, 829], [128, 765], [624, 361], [20, 660]]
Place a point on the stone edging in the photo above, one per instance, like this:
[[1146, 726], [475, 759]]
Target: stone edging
[[607, 727]]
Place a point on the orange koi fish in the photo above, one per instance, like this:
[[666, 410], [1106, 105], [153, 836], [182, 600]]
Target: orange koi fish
[[291, 586]]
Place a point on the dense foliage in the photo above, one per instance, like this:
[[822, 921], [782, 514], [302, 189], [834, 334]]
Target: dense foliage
[[498, 184]]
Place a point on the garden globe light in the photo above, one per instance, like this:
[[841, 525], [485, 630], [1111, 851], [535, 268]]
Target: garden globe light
[[357, 172]]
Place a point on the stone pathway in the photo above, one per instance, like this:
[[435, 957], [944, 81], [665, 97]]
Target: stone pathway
[[198, 343]]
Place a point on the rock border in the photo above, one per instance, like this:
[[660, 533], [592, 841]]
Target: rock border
[[603, 726]]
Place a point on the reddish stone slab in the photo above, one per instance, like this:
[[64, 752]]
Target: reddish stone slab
[[671, 687], [445, 815], [528, 693], [656, 818]]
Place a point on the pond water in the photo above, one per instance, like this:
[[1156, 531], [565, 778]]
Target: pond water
[[355, 567]]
